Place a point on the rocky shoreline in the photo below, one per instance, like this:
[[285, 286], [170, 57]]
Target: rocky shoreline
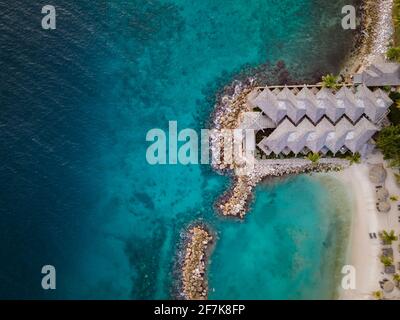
[[374, 35], [198, 245]]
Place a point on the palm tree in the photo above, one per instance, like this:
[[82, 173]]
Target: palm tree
[[354, 158], [389, 143], [314, 157], [387, 261], [378, 295], [388, 237], [330, 81], [393, 54], [396, 279]]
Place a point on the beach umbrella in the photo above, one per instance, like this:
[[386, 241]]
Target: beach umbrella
[[382, 194], [384, 206], [388, 286], [377, 174]]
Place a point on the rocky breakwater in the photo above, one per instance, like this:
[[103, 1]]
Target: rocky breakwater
[[236, 201], [195, 260], [226, 117]]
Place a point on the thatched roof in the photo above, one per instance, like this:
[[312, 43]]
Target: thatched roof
[[390, 269], [255, 121], [382, 194], [353, 102], [384, 206], [380, 73], [388, 286], [322, 137], [387, 252], [377, 174]]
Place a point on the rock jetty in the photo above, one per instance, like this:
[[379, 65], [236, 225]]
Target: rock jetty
[[236, 201], [194, 281]]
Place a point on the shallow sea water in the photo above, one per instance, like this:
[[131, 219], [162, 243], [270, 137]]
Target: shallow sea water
[[77, 103]]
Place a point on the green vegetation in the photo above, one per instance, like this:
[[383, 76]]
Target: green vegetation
[[393, 54], [330, 81], [314, 157], [388, 237], [389, 138], [389, 142], [394, 114], [354, 158], [394, 198], [397, 176], [387, 88], [378, 295], [396, 279], [386, 261]]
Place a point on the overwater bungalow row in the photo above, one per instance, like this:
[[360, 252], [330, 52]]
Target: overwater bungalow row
[[294, 105], [324, 137]]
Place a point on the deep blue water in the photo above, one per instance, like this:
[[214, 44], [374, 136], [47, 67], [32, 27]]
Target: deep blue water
[[75, 106]]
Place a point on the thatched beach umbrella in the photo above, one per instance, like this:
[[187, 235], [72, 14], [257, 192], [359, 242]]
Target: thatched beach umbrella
[[377, 174], [382, 194], [390, 269], [384, 206], [388, 286], [387, 252]]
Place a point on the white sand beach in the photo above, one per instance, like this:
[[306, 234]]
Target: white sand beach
[[364, 252]]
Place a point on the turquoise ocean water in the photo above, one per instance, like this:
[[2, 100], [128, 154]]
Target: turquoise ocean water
[[292, 245], [77, 105]]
